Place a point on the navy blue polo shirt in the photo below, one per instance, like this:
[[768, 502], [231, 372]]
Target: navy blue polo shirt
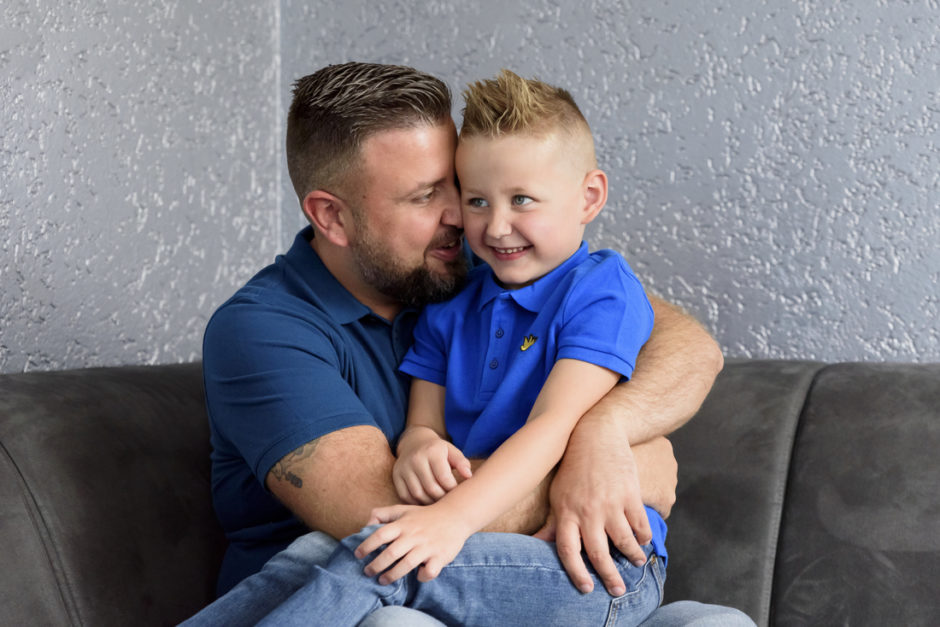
[[290, 357], [493, 348]]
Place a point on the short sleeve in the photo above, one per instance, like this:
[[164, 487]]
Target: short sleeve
[[273, 383], [607, 317], [427, 357]]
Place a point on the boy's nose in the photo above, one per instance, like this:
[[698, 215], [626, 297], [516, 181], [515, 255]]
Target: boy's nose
[[498, 226]]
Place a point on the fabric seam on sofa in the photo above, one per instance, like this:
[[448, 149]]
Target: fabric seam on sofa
[[45, 537], [780, 492], [784, 492]]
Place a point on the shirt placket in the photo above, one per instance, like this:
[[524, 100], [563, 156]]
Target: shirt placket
[[496, 358]]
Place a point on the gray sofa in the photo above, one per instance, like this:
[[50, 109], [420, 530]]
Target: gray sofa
[[808, 494]]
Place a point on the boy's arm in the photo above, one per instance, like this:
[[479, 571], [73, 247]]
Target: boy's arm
[[418, 536], [596, 493], [424, 471]]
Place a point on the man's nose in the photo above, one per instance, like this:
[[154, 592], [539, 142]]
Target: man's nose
[[451, 215]]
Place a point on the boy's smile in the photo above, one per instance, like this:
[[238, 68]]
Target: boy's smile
[[525, 201]]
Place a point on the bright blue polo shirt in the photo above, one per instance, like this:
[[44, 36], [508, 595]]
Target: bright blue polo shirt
[[493, 348], [290, 357]]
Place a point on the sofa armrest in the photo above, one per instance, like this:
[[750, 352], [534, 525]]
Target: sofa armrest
[[105, 498], [734, 458]]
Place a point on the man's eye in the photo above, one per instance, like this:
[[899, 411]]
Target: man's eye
[[520, 200], [477, 202]]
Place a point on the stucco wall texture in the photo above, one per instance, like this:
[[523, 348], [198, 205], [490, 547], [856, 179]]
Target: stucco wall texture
[[774, 165], [137, 174]]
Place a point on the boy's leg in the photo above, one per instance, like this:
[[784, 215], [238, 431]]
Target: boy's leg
[[285, 573], [496, 579], [501, 578], [254, 597]]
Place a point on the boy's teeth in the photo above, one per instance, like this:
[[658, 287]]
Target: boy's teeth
[[509, 251]]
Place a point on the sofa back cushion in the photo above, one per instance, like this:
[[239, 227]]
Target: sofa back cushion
[[860, 540]]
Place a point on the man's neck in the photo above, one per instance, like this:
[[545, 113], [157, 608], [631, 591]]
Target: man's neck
[[340, 264]]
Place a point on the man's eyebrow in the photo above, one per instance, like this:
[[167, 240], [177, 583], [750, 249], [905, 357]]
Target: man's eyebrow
[[420, 187]]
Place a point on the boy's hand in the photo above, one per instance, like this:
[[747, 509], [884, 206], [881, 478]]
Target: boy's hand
[[426, 465], [429, 537]]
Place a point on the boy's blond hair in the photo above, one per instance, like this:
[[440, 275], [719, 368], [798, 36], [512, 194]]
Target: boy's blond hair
[[510, 104]]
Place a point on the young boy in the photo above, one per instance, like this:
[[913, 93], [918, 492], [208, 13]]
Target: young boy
[[504, 371]]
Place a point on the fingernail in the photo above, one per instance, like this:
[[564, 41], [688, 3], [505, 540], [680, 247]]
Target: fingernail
[[585, 588], [639, 563], [617, 591]]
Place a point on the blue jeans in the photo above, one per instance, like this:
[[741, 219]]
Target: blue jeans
[[495, 579], [527, 573]]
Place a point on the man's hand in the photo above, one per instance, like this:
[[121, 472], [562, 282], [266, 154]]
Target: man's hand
[[429, 537], [596, 496], [426, 467]]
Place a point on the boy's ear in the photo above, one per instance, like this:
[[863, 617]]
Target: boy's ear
[[329, 215], [595, 194]]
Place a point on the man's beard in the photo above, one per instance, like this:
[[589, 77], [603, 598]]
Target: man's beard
[[414, 287]]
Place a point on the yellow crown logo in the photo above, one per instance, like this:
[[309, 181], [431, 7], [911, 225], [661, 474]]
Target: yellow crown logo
[[528, 342]]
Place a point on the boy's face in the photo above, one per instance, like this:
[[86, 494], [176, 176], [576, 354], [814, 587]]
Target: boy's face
[[523, 202]]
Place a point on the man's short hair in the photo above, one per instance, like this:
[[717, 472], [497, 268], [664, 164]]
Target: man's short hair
[[335, 109], [511, 104]]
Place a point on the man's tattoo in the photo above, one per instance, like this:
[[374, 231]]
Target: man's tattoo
[[284, 469]]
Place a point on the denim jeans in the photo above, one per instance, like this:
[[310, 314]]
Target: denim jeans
[[495, 576]]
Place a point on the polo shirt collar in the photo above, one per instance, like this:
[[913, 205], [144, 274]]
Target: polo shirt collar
[[336, 299], [533, 297]]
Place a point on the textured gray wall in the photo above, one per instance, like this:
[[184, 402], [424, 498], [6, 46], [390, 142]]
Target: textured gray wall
[[773, 164], [138, 172]]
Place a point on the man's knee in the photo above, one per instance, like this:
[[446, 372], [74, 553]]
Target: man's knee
[[394, 616], [694, 614]]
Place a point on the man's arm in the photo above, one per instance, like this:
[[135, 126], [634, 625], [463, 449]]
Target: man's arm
[[334, 482], [596, 492], [431, 536]]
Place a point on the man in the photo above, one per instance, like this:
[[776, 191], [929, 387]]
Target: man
[[303, 392]]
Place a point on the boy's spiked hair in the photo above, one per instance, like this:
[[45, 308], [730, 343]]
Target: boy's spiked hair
[[512, 104]]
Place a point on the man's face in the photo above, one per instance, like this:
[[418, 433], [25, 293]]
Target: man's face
[[406, 230]]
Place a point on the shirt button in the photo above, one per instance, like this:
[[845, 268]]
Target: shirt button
[[499, 333], [494, 364]]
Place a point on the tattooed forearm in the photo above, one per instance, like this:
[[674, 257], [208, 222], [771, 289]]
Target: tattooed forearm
[[288, 467]]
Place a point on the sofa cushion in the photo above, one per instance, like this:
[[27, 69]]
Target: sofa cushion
[[861, 527], [733, 458], [105, 474]]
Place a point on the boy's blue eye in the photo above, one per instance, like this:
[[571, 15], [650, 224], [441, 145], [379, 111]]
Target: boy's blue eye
[[520, 199], [477, 202]]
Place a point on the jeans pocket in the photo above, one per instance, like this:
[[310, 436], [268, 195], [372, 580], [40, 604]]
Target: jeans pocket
[[634, 606]]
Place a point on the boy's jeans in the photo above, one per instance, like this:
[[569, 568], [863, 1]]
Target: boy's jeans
[[497, 578]]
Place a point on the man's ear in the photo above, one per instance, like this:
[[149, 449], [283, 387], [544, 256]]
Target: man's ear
[[595, 194], [329, 215]]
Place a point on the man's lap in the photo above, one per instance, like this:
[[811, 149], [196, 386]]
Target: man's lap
[[289, 570]]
